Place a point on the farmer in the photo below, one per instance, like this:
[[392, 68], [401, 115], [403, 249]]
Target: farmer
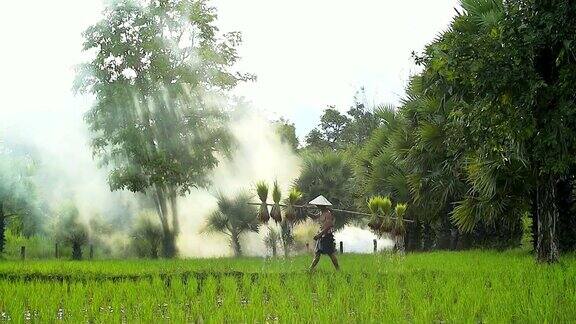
[[325, 238]]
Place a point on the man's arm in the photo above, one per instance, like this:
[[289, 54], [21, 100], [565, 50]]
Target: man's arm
[[314, 215]]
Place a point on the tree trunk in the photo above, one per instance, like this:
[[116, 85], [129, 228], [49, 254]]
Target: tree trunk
[[174, 209], [427, 237], [566, 216], [171, 250], [534, 216], [546, 101], [76, 251], [168, 244], [236, 245], [444, 233], [2, 228], [168, 237], [286, 249], [454, 236], [160, 202], [154, 251], [547, 247]]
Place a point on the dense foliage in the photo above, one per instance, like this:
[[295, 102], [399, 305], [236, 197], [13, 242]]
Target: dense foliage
[[485, 134], [505, 75]]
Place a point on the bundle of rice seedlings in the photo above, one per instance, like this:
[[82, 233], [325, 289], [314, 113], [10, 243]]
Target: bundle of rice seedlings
[[262, 191], [275, 213], [399, 228], [293, 198], [375, 206], [387, 221]]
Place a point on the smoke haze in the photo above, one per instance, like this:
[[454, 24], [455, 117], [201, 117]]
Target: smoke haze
[[259, 155]]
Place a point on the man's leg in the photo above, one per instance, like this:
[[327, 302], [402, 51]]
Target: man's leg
[[315, 261], [334, 261]]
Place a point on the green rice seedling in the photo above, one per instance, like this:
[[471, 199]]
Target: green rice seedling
[[255, 294], [386, 206], [375, 205], [293, 198], [209, 297], [276, 213], [231, 299], [453, 287], [262, 191]]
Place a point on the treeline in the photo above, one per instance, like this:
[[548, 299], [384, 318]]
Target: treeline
[[485, 136], [483, 142]]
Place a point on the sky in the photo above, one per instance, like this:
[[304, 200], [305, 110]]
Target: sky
[[306, 54]]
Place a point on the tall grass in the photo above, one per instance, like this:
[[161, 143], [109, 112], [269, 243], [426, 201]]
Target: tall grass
[[458, 287]]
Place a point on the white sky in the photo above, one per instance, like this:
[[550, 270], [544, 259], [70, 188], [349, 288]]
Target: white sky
[[307, 54]]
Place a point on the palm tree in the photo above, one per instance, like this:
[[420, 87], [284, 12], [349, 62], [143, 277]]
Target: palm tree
[[233, 218], [70, 230], [328, 174], [381, 169], [271, 240], [147, 234]]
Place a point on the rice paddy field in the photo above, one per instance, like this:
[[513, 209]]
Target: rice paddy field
[[440, 287]]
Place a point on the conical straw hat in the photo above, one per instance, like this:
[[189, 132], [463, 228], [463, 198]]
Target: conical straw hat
[[320, 201]]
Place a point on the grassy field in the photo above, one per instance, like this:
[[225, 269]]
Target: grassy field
[[450, 287]]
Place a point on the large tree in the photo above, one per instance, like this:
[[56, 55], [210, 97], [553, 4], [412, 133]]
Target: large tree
[[287, 133], [158, 73], [338, 131]]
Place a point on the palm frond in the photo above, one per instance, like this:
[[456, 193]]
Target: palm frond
[[217, 222], [485, 13]]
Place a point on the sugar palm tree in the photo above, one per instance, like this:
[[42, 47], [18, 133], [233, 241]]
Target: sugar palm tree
[[70, 230], [233, 217], [272, 239], [381, 169], [328, 174], [147, 234]]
